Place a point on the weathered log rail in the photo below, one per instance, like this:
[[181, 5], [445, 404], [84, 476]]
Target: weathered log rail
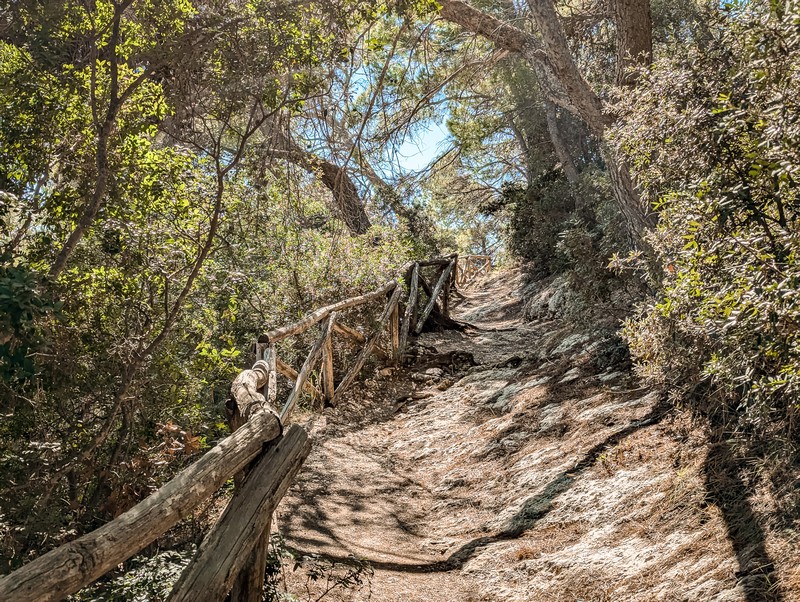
[[261, 457]]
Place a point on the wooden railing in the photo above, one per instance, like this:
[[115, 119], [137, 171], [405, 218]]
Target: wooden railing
[[261, 454], [470, 267]]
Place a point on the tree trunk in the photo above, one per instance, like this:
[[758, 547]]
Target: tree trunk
[[559, 145], [634, 23], [627, 198], [347, 202], [344, 191], [559, 57], [561, 81]]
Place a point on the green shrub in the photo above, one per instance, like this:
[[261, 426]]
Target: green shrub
[[539, 213], [574, 229], [713, 134]]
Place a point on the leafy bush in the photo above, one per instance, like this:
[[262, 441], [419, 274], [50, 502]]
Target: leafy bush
[[21, 303], [145, 579], [539, 213], [713, 134], [574, 230], [323, 577]]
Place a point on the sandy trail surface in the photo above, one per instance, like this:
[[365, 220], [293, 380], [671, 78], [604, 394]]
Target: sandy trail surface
[[506, 463]]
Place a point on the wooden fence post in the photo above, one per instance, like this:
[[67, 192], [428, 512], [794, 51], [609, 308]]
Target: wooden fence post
[[446, 290], [367, 349], [432, 301], [272, 383], [411, 308], [394, 333], [308, 366], [292, 375], [328, 387], [227, 547], [249, 584]]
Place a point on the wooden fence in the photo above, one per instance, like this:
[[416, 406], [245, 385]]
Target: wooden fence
[[262, 454], [469, 267]]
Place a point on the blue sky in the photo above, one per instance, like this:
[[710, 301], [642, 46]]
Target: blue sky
[[415, 155]]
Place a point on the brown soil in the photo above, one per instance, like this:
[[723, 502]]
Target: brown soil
[[527, 476]]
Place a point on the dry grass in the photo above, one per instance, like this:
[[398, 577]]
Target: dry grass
[[549, 540]]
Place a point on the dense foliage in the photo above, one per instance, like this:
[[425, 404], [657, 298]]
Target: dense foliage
[[713, 133], [148, 237], [177, 176]]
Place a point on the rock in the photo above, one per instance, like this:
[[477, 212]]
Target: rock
[[570, 342], [445, 384], [550, 416], [515, 361], [573, 374], [544, 298], [435, 372], [556, 301], [610, 376]]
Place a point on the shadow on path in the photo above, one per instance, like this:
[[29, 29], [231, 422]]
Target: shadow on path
[[534, 509], [727, 490]]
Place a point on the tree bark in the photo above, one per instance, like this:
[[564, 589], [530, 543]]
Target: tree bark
[[559, 145], [576, 88], [346, 200], [634, 23], [627, 199], [513, 39]]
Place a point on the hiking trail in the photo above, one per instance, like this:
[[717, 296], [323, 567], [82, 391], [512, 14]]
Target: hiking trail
[[504, 464]]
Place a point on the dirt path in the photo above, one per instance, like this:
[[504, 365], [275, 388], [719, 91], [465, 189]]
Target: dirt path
[[530, 475]]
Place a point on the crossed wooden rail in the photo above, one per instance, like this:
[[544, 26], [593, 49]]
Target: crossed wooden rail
[[470, 267], [260, 454]]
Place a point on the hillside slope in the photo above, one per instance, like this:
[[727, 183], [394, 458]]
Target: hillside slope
[[505, 465]]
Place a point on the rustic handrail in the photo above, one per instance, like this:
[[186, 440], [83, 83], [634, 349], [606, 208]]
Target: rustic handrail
[[228, 545], [444, 278], [323, 312], [254, 423], [468, 267], [68, 568], [308, 366]]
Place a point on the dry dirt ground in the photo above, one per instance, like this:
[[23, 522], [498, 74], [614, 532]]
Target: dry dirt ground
[[521, 473]]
